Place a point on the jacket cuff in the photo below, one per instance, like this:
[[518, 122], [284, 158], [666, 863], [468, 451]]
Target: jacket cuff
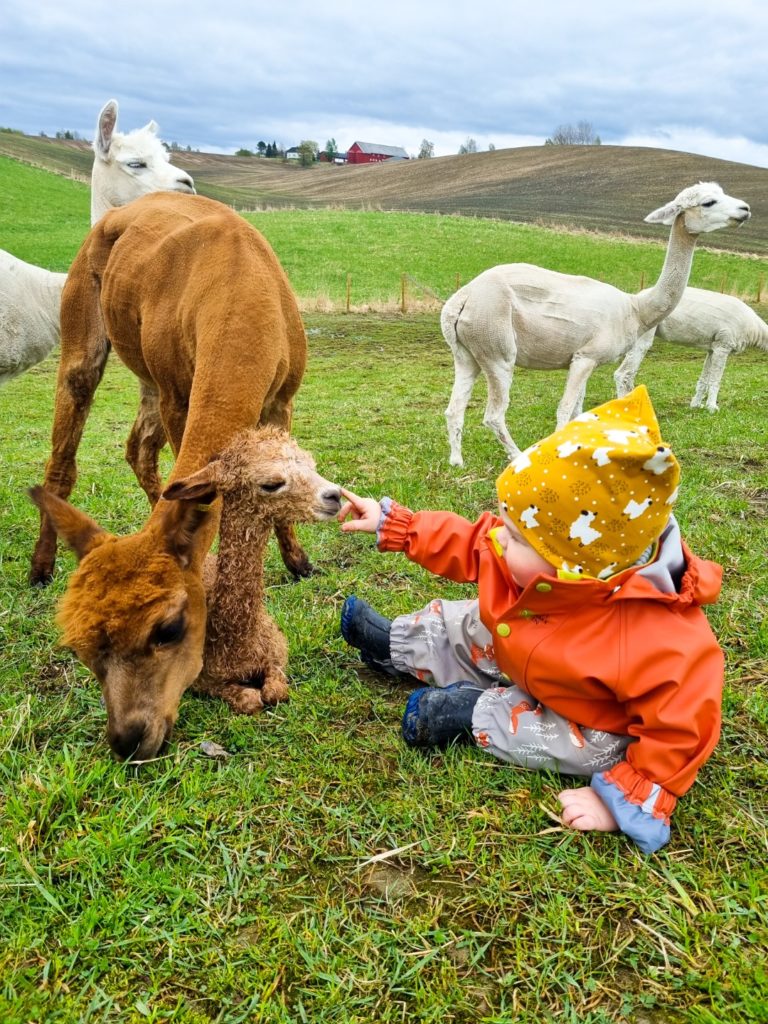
[[393, 526], [641, 808]]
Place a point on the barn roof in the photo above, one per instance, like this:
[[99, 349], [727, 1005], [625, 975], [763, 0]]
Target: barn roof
[[374, 148]]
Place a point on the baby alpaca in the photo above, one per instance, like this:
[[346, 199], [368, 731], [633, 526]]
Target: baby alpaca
[[264, 478]]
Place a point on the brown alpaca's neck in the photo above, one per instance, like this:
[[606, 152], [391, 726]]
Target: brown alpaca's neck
[[236, 601], [655, 303]]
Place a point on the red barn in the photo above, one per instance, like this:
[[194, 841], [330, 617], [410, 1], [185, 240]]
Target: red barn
[[369, 153]]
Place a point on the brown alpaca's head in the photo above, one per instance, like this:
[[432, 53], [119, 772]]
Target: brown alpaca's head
[[263, 475], [134, 612]]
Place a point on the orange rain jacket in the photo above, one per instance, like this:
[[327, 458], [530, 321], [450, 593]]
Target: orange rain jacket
[[617, 654]]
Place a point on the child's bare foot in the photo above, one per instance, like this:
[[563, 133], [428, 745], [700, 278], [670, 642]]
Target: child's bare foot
[[583, 809]]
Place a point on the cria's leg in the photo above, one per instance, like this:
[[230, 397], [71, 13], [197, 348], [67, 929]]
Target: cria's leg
[[244, 700], [275, 688]]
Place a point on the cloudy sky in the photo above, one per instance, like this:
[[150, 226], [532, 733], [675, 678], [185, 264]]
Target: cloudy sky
[[219, 76]]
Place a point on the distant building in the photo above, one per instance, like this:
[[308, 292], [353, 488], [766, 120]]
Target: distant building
[[294, 153], [337, 158], [371, 153]]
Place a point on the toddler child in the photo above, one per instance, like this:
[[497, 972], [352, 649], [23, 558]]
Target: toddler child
[[586, 650]]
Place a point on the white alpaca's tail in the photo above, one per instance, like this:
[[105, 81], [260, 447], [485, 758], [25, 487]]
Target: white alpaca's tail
[[449, 319]]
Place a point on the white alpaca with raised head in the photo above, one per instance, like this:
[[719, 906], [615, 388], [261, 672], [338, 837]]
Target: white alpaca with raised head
[[518, 314], [125, 167], [131, 164]]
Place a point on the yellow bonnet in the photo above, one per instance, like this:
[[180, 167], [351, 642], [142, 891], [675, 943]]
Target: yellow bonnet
[[591, 497]]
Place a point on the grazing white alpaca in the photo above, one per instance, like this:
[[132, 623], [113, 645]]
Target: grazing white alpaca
[[125, 167], [520, 314], [30, 300], [721, 324]]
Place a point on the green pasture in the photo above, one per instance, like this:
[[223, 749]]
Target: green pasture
[[323, 873], [365, 258], [194, 891]]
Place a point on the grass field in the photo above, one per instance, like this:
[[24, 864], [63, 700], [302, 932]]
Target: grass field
[[605, 188], [323, 872], [193, 890], [334, 256]]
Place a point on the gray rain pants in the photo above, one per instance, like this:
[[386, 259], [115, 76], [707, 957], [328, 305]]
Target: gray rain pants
[[446, 642]]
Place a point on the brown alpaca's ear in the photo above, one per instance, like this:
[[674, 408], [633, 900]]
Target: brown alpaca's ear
[[75, 528], [184, 528]]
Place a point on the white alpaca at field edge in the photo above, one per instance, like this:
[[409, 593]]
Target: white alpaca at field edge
[[518, 314], [720, 324], [125, 167]]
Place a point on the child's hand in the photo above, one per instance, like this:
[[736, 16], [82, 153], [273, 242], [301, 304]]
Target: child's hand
[[583, 809], [365, 513]]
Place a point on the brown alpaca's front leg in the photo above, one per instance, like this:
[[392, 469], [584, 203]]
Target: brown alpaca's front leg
[[294, 555], [80, 370]]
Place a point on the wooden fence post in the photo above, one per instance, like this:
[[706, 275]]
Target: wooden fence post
[[349, 289], [642, 280], [403, 294], [759, 297], [458, 281]]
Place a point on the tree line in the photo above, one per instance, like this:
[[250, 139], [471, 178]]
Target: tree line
[[580, 134]]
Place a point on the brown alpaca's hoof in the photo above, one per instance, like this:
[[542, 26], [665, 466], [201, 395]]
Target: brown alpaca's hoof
[[40, 578], [301, 568]]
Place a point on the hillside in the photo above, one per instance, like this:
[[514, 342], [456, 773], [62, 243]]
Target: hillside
[[605, 188]]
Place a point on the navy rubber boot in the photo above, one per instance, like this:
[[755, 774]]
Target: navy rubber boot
[[362, 627], [436, 717]]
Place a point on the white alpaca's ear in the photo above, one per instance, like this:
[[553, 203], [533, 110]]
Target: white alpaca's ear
[[664, 214], [153, 127], [105, 129]]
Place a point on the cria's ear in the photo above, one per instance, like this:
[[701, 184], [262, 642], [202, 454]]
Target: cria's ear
[[105, 129], [201, 486], [664, 214], [75, 528]]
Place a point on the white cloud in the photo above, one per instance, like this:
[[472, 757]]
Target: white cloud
[[224, 76]]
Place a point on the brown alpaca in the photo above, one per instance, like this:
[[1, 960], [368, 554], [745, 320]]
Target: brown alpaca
[[264, 478], [195, 303]]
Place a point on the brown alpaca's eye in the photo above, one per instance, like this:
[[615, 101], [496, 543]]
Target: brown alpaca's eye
[[166, 633], [275, 485]]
